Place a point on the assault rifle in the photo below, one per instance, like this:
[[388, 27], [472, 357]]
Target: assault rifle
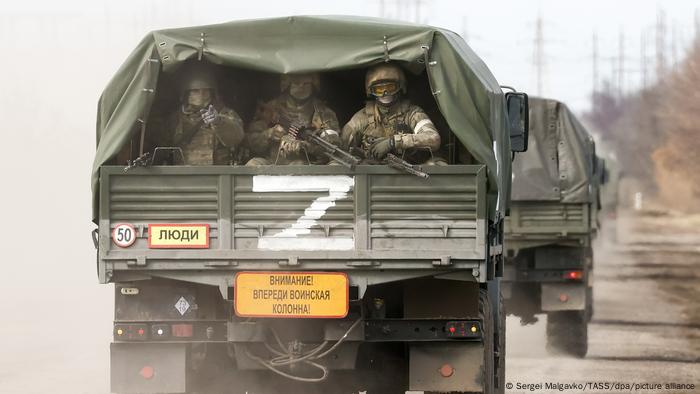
[[401, 164], [305, 133], [142, 161], [393, 161]]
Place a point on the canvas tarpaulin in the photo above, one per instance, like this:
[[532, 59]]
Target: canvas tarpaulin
[[466, 92], [558, 163]]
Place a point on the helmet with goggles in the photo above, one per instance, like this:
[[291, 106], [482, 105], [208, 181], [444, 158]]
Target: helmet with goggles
[[385, 80]]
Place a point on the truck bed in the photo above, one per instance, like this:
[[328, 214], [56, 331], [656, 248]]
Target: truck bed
[[295, 217]]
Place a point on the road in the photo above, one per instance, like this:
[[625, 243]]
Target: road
[[646, 321]]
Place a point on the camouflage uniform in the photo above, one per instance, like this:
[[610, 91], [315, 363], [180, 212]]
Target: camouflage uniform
[[204, 144], [269, 141], [408, 124], [390, 121]]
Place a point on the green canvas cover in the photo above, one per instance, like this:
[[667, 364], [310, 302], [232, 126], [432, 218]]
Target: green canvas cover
[[558, 165], [467, 94]]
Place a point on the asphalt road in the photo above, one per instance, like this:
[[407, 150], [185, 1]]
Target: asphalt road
[[646, 324]]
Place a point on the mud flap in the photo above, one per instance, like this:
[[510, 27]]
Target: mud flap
[[148, 368], [466, 361], [563, 297]]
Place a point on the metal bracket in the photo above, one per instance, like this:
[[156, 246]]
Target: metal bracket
[[292, 261], [95, 238], [445, 229], [386, 50], [201, 46], [444, 261]]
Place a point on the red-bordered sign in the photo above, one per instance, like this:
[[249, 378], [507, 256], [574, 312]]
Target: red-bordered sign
[[124, 235]]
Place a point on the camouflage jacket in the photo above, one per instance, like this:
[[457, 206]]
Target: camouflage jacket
[[262, 140], [207, 144], [408, 124]]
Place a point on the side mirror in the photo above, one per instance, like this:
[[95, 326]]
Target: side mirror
[[518, 120], [603, 170]]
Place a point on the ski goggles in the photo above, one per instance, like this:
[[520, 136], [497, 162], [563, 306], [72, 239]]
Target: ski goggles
[[388, 88]]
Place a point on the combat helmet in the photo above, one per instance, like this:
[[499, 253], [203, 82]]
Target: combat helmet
[[286, 81], [385, 74], [197, 78]]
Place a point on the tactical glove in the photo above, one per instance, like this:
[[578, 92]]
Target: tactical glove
[[381, 148], [209, 115]]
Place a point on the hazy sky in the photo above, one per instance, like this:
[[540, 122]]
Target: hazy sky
[[57, 56], [502, 32]]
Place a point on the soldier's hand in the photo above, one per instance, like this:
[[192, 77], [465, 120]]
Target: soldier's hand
[[380, 148], [209, 115], [289, 146], [275, 133]]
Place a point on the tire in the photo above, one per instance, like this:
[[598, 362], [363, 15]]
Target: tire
[[567, 333], [487, 318], [500, 355]]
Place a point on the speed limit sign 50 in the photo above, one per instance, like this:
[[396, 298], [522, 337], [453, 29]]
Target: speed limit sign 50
[[124, 235]]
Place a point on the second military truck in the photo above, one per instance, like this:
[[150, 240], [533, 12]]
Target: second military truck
[[552, 221]]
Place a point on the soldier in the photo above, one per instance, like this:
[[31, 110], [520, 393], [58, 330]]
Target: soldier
[[390, 123], [271, 134], [207, 131]]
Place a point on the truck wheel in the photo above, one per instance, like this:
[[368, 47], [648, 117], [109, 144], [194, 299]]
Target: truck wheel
[[567, 333], [486, 316], [501, 349]]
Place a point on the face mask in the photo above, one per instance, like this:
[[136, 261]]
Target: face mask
[[199, 97], [386, 100], [300, 91]]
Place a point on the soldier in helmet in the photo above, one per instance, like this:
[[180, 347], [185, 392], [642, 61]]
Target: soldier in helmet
[[271, 134], [389, 123], [207, 131]]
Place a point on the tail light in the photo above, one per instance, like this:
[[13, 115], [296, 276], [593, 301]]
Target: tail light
[[182, 330], [131, 332], [573, 275], [462, 329]]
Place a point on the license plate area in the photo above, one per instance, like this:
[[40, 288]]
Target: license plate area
[[291, 294]]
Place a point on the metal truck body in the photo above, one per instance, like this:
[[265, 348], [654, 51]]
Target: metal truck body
[[310, 278], [552, 221]]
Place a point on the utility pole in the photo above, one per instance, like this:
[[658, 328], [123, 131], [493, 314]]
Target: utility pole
[[621, 65], [538, 57], [643, 61], [674, 46], [595, 61], [660, 44]]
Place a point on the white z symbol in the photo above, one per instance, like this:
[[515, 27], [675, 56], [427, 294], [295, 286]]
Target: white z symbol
[[337, 187]]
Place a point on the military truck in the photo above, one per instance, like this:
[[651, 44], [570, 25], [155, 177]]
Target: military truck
[[306, 278], [552, 221]]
